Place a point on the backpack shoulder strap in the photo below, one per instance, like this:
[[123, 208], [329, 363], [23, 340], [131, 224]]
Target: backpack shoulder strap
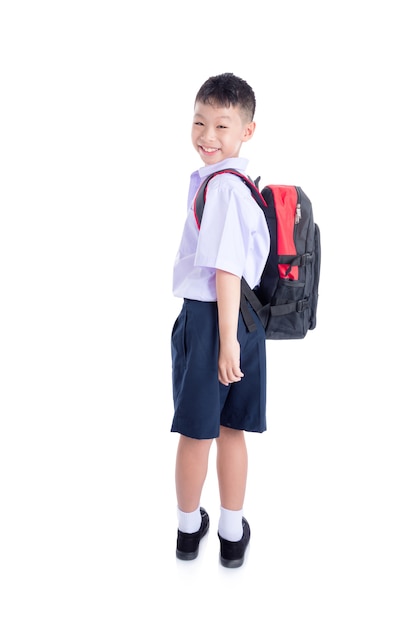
[[200, 198]]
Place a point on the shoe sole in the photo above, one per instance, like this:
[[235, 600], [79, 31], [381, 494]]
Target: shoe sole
[[234, 563], [186, 556]]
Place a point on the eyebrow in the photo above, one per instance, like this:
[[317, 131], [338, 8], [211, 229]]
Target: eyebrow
[[221, 117]]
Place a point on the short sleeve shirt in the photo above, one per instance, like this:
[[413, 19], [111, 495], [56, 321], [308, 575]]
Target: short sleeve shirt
[[233, 235]]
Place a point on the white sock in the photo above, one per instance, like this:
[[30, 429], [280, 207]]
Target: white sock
[[230, 525], [189, 522]]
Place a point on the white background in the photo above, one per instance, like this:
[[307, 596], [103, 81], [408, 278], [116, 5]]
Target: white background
[[96, 106]]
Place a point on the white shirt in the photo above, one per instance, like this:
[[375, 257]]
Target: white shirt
[[233, 235]]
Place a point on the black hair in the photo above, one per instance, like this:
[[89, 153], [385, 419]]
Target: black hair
[[227, 90]]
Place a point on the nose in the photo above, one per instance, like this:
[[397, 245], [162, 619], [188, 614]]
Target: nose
[[208, 133]]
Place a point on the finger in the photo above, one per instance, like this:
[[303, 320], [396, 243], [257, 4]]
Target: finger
[[236, 373], [230, 377]]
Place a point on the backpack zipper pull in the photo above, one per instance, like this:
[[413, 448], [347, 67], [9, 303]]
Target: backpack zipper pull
[[298, 214]]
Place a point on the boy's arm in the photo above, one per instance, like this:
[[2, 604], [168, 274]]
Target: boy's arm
[[228, 290]]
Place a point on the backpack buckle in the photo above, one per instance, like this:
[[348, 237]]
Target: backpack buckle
[[306, 258], [301, 305]]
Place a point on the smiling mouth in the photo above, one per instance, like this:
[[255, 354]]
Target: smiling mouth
[[208, 150]]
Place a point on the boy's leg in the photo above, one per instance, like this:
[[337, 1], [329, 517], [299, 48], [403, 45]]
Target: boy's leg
[[191, 470], [232, 466]]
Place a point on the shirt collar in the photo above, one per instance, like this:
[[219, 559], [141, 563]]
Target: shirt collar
[[237, 163]]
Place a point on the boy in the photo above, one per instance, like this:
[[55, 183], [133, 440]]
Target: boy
[[219, 368]]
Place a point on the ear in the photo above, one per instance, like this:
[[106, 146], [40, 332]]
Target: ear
[[249, 130]]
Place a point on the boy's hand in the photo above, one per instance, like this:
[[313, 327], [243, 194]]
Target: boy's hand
[[229, 370], [228, 289]]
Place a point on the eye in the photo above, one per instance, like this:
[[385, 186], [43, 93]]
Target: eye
[[198, 123], [222, 127]]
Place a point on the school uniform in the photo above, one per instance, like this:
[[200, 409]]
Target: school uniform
[[233, 237]]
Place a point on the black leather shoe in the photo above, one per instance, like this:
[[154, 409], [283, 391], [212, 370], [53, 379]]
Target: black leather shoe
[[232, 552], [188, 543]]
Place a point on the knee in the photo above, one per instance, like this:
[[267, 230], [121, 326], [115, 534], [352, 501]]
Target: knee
[[230, 434]]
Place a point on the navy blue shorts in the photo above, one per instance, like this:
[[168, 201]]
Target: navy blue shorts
[[201, 403]]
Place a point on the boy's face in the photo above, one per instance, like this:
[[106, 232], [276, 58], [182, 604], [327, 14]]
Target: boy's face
[[218, 132]]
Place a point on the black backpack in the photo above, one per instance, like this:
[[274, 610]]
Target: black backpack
[[287, 297]]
